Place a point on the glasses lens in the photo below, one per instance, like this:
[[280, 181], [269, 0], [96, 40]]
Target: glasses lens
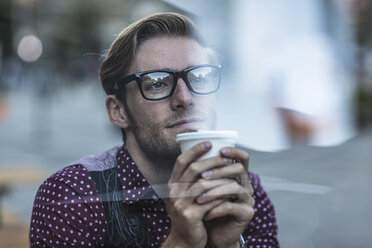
[[157, 85], [204, 79]]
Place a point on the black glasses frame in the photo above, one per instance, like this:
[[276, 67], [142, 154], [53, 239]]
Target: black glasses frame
[[176, 75]]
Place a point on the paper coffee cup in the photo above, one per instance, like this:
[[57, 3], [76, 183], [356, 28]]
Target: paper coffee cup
[[218, 138]]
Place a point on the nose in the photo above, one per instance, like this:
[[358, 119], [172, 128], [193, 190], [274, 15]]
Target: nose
[[182, 97]]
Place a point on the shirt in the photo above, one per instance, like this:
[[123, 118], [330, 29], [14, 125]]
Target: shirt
[[68, 211]]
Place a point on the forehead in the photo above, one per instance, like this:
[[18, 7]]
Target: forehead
[[164, 52]]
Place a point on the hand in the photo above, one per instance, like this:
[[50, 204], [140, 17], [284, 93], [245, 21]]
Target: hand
[[226, 221], [185, 186]]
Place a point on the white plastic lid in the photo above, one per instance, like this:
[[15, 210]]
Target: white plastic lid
[[207, 134]]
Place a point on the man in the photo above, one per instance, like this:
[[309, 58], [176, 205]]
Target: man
[[160, 78]]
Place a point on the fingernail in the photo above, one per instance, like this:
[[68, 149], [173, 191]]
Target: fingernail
[[201, 197], [225, 150], [207, 174], [228, 160], [206, 145]]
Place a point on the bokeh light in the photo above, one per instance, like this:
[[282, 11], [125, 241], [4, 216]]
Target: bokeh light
[[30, 48]]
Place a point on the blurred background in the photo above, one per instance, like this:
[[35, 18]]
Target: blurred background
[[297, 86]]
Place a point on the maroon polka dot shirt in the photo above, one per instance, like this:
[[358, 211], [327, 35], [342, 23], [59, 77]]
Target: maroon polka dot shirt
[[68, 211]]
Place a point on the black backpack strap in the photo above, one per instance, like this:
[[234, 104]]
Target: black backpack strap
[[126, 227]]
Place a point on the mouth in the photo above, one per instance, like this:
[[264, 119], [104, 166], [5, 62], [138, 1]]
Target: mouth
[[192, 123]]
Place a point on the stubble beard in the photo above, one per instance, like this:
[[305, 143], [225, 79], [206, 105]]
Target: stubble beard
[[160, 146], [155, 144]]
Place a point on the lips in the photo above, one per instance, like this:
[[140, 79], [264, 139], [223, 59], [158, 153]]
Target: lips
[[186, 123]]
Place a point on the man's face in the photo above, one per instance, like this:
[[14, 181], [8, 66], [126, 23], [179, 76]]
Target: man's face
[[153, 125]]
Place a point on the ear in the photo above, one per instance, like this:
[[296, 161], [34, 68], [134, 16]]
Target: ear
[[116, 112]]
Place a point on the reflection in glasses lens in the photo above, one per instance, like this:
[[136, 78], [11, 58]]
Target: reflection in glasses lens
[[157, 84], [201, 80]]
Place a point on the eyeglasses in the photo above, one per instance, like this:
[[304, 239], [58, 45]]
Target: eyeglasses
[[156, 85]]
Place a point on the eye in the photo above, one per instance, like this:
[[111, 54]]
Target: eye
[[156, 81], [197, 80], [157, 85]]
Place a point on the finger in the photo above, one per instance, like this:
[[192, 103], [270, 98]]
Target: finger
[[205, 208], [236, 154], [188, 157], [235, 171], [229, 171], [189, 210], [243, 213], [196, 188], [205, 166], [229, 191], [249, 189], [245, 182], [202, 186]]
